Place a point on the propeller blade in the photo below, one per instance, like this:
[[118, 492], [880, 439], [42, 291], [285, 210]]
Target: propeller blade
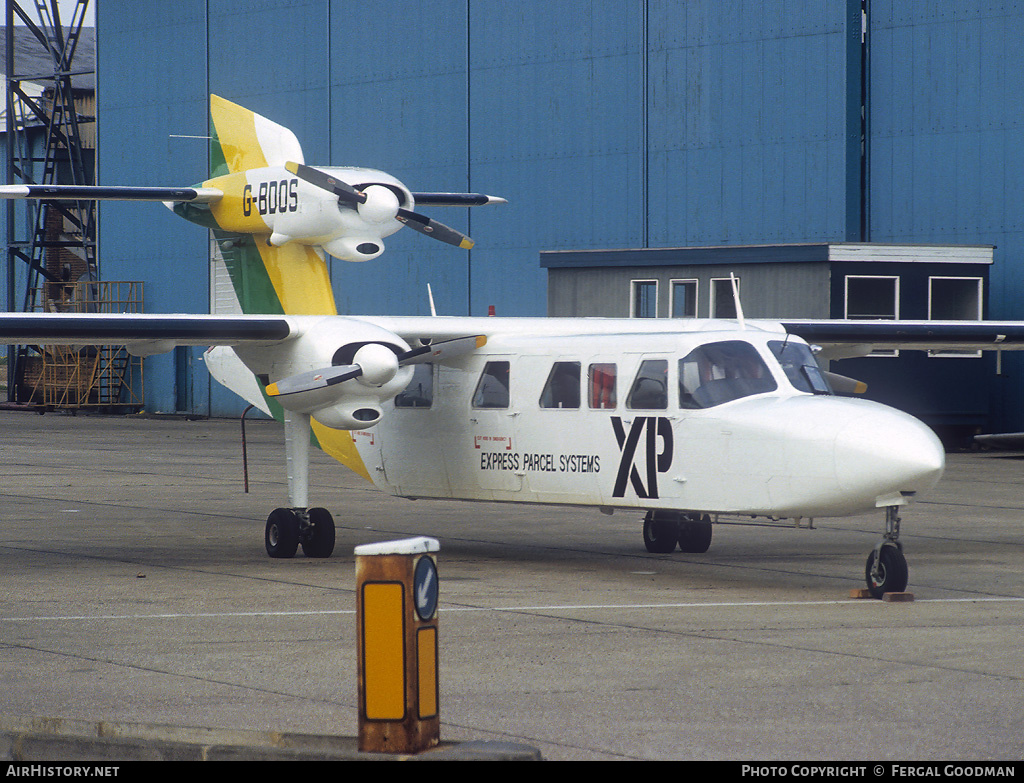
[[433, 229], [842, 384], [457, 199], [438, 352], [314, 379], [338, 187]]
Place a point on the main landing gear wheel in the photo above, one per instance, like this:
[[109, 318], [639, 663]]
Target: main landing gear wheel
[[695, 533], [282, 533], [289, 527], [319, 541], [886, 571], [661, 531]]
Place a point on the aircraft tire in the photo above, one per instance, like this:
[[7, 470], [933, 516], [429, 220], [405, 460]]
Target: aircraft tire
[[321, 540], [893, 572], [660, 533], [281, 535], [695, 535]]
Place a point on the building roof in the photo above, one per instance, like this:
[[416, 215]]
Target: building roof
[[33, 63], [767, 254]]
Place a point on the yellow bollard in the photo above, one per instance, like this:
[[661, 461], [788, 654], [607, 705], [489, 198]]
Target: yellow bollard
[[396, 614]]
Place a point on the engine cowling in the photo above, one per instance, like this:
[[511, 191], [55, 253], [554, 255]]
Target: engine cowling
[[338, 370]]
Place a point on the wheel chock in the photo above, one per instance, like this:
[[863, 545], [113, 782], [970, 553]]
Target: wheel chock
[[898, 597], [860, 592]]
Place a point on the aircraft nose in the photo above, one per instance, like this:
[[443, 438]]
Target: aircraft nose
[[887, 452]]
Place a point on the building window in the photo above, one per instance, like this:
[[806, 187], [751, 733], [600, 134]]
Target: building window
[[601, 382], [684, 298], [420, 391], [723, 303], [876, 298], [644, 302], [563, 387], [492, 388], [954, 299]]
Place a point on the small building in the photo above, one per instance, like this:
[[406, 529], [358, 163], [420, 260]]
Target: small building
[[950, 391]]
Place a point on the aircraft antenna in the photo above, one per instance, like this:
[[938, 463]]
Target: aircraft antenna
[[736, 300], [430, 296]]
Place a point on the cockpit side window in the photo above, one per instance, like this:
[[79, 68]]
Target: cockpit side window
[[492, 388], [650, 387], [800, 366], [562, 389], [717, 373]]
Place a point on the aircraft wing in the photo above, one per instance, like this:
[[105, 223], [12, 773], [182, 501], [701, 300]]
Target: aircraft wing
[[143, 334], [841, 339]]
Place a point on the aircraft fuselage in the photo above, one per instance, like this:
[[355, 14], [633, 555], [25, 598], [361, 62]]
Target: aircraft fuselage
[[702, 420]]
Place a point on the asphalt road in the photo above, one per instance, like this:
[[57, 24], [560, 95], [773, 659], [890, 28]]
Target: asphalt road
[[134, 587]]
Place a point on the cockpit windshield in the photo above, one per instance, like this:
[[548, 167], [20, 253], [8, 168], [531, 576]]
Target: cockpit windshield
[[720, 372], [800, 366]]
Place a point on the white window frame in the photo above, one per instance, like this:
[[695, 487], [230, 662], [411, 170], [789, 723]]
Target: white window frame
[[896, 305], [632, 298], [672, 296], [952, 354], [712, 298]]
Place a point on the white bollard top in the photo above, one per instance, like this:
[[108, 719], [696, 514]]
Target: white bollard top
[[405, 546]]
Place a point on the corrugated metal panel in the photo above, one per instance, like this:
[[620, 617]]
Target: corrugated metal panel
[[747, 122], [142, 100]]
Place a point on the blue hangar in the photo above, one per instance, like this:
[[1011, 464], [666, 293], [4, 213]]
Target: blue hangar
[[607, 125]]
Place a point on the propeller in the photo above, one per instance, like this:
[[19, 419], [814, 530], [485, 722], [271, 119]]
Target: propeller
[[339, 188], [353, 197], [373, 364]]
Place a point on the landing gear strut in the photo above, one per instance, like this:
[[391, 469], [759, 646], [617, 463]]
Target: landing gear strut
[[664, 529], [287, 528], [886, 570]]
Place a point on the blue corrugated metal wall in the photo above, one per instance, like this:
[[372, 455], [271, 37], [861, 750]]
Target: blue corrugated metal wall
[[946, 143], [606, 124]]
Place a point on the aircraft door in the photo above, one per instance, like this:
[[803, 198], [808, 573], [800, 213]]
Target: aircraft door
[[413, 445]]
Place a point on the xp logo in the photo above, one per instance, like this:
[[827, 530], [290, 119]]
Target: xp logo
[[655, 461]]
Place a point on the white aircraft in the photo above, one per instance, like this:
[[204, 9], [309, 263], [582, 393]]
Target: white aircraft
[[683, 420]]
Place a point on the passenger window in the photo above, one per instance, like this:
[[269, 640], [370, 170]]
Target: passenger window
[[720, 372], [420, 391], [563, 387], [492, 388], [601, 382], [650, 388]]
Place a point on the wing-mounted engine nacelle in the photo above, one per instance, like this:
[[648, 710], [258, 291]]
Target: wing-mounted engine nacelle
[[340, 371]]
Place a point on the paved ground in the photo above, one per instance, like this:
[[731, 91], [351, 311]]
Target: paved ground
[[134, 588]]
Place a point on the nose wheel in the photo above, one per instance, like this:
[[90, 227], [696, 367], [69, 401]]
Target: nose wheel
[[886, 570]]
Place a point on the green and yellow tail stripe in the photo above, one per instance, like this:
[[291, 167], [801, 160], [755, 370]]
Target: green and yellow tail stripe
[[288, 280]]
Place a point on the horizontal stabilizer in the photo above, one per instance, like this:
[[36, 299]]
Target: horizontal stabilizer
[[112, 193]]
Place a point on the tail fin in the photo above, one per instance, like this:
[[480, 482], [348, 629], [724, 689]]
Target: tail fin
[[250, 275], [242, 140]]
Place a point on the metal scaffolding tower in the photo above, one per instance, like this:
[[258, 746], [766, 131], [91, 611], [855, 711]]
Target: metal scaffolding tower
[[50, 139]]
